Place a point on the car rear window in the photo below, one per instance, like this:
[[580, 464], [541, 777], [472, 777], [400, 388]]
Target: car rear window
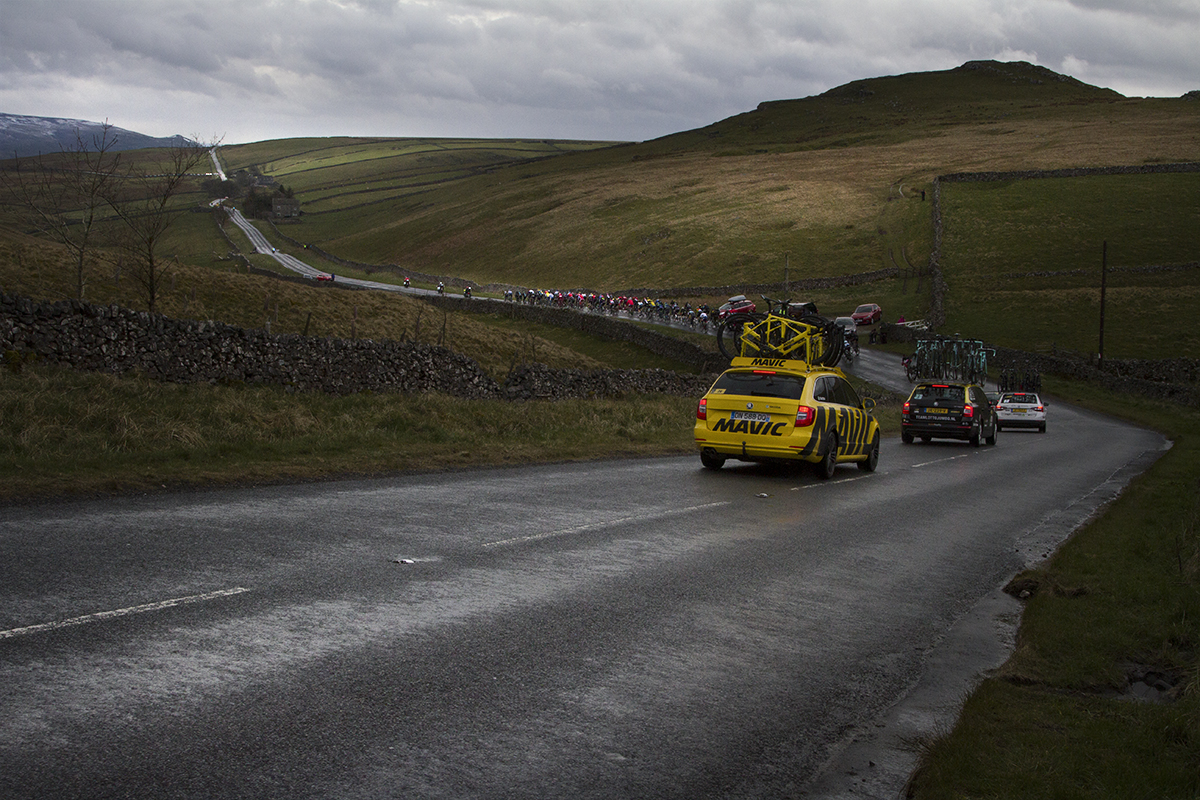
[[936, 392], [1020, 398], [761, 384]]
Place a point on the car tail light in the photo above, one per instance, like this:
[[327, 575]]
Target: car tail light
[[805, 415], [702, 409], [1041, 408], [904, 411], [968, 411]]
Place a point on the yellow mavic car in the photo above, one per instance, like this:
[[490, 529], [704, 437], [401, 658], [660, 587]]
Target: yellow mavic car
[[766, 409]]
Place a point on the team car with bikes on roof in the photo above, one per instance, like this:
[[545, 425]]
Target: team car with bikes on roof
[[783, 398], [786, 411]]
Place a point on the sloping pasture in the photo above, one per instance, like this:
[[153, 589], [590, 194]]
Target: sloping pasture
[[1023, 262]]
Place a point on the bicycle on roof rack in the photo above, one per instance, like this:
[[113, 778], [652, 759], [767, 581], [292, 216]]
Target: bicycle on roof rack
[[949, 358], [1020, 378], [785, 331]]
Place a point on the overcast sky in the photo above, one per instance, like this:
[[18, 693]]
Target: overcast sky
[[248, 70]]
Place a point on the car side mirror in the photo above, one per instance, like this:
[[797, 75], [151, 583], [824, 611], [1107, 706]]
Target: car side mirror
[[868, 404]]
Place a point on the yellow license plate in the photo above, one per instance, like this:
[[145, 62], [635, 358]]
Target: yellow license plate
[[937, 411]]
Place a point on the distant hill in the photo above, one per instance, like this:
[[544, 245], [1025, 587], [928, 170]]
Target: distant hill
[[891, 109], [22, 135]]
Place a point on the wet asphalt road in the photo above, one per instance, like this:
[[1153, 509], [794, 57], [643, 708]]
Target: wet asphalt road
[[622, 629]]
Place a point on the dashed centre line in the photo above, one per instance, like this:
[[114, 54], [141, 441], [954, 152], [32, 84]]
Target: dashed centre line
[[940, 460], [828, 483], [603, 524], [121, 612]]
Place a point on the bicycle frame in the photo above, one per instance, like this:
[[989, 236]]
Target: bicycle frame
[[781, 337]]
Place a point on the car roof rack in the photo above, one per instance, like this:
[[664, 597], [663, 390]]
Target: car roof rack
[[781, 363]]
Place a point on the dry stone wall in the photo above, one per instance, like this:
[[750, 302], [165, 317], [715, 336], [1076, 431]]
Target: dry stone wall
[[1173, 379], [1170, 379], [117, 340], [539, 382]]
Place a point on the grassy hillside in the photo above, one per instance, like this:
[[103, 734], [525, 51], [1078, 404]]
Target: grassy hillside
[[344, 173], [814, 183], [822, 186]]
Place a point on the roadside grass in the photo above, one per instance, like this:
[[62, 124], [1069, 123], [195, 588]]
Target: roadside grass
[[612, 355], [1120, 597], [1037, 744], [66, 433]]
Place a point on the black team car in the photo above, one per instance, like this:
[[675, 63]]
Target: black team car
[[947, 410]]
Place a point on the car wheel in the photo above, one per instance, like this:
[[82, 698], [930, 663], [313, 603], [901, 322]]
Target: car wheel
[[711, 460], [872, 460], [828, 464], [926, 439], [992, 439], [975, 438], [1042, 429], [907, 438]]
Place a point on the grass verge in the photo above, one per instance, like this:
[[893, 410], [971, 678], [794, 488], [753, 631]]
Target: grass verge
[[70, 433], [1119, 599]]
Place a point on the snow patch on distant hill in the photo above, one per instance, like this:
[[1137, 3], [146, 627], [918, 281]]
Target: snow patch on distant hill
[[22, 135]]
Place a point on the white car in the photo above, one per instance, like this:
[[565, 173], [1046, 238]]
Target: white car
[[1020, 410]]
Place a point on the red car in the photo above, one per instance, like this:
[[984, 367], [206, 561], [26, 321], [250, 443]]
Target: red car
[[328, 277], [739, 304], [867, 314]]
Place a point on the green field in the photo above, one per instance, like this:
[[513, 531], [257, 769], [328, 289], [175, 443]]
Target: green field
[[998, 236], [336, 174]]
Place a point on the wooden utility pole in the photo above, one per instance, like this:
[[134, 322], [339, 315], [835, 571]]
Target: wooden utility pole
[[1103, 291]]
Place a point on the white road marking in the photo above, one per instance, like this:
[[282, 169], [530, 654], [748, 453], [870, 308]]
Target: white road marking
[[940, 460], [829, 483], [604, 524], [120, 612]]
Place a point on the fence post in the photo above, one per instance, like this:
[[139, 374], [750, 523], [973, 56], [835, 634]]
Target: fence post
[[1103, 290]]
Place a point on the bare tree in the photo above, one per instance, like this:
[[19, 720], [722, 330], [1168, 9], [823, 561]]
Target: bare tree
[[65, 195], [148, 203]]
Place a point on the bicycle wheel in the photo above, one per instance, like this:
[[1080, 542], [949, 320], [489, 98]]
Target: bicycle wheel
[[729, 333], [831, 337]]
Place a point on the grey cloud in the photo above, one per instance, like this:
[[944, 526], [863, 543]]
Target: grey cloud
[[584, 68]]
